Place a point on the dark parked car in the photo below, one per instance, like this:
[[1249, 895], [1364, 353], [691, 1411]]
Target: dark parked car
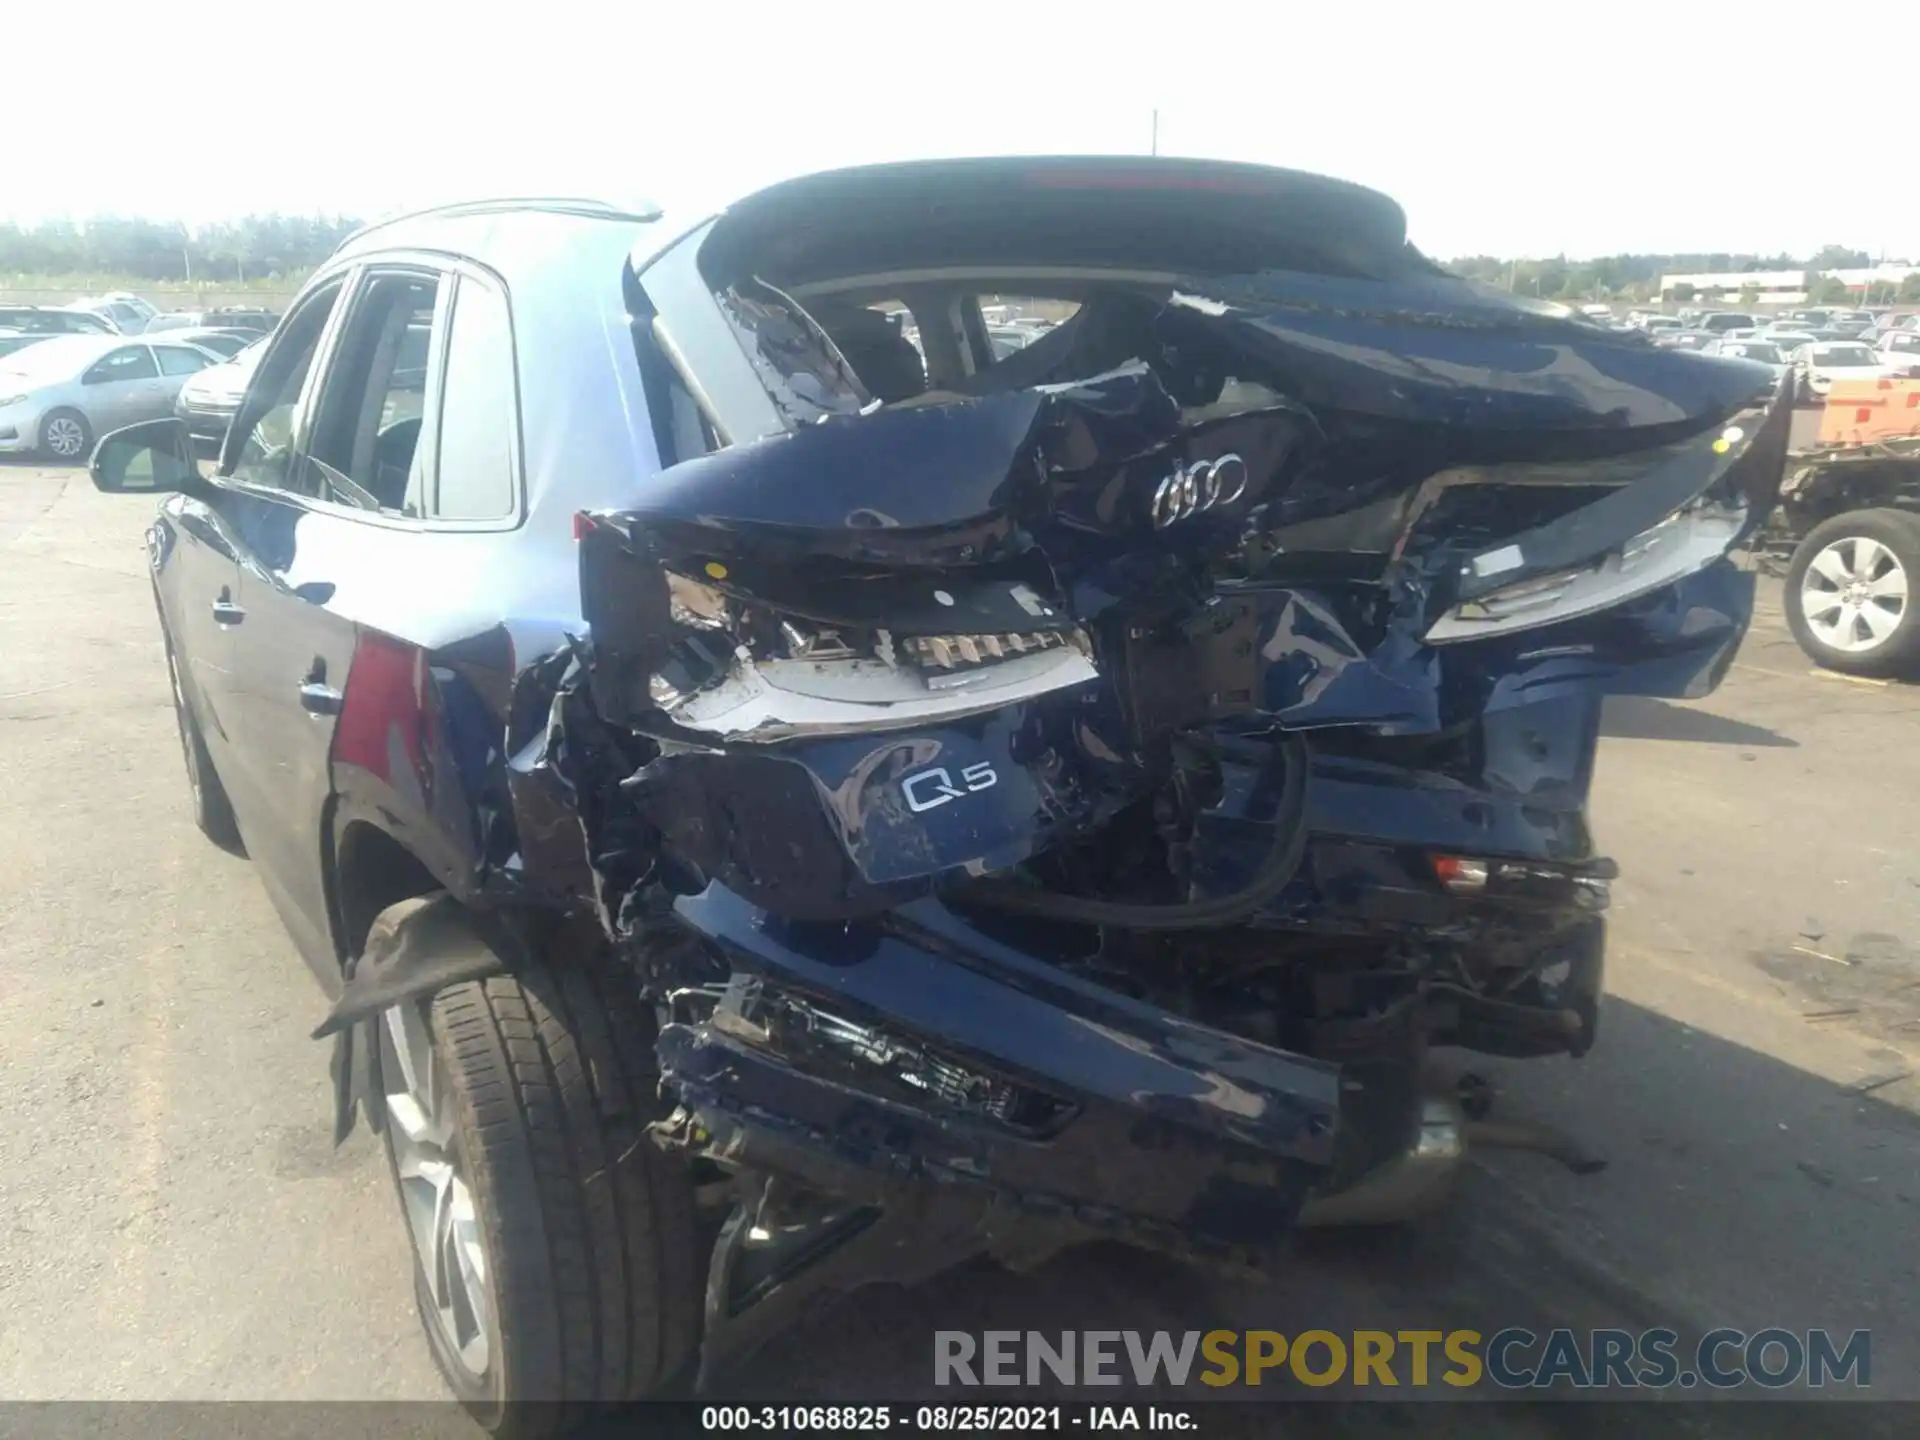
[[224, 343], [930, 808], [53, 320], [226, 317]]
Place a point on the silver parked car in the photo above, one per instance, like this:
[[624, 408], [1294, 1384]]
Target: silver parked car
[[56, 396], [207, 401], [124, 315]]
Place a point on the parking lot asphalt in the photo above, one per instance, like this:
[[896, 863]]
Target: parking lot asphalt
[[178, 1223]]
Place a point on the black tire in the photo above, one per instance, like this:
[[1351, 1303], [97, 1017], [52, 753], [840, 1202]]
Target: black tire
[[1899, 532], [588, 1226], [82, 454], [212, 811]]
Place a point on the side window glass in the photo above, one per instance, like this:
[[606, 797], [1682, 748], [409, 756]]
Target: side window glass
[[176, 360], [479, 421], [134, 362], [366, 436], [265, 455]]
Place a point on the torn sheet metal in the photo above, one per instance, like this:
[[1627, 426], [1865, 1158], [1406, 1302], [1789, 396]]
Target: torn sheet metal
[[416, 947], [894, 713]]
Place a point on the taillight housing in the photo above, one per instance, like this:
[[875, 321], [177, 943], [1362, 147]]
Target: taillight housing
[[1583, 886]]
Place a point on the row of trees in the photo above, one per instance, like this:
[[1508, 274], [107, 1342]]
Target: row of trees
[[285, 247], [258, 247], [1637, 277]]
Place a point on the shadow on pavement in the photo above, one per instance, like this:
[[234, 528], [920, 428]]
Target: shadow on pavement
[[1636, 717]]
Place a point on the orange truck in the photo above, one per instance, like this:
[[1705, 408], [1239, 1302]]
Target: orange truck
[[1861, 412]]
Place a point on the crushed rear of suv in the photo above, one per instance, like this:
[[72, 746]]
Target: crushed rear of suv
[[991, 797]]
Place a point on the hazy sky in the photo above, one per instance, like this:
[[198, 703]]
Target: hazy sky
[[1508, 129]]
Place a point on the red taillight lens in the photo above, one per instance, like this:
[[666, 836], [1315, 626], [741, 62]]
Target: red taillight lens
[[1459, 873]]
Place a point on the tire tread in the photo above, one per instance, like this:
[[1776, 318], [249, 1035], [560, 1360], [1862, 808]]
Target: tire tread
[[591, 1226]]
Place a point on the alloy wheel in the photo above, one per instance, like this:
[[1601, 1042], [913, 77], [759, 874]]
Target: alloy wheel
[[64, 437], [1854, 594], [434, 1188]]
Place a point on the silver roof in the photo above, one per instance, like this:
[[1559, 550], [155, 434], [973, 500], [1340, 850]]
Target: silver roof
[[586, 437]]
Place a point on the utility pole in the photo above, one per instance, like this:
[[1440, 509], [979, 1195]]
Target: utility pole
[[1155, 147], [186, 259]]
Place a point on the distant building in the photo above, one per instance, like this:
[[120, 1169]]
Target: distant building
[[1771, 287], [1780, 287], [1874, 275]]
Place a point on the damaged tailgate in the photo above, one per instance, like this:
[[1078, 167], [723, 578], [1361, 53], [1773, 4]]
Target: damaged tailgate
[[857, 661]]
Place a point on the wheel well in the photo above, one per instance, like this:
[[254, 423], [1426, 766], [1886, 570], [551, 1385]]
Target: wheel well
[[372, 870]]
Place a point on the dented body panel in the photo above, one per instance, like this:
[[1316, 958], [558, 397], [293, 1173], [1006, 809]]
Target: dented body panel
[[1067, 794], [1425, 527]]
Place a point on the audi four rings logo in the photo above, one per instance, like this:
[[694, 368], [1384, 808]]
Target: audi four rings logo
[[1203, 485]]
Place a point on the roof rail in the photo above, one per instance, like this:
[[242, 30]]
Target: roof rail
[[640, 212]]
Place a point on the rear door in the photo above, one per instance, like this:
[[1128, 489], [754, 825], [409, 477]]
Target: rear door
[[176, 363], [123, 386]]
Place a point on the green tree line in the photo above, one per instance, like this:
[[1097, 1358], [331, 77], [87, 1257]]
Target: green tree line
[[286, 247], [1637, 277], [255, 248]]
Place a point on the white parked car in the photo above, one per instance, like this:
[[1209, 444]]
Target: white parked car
[[1820, 364], [1900, 350]]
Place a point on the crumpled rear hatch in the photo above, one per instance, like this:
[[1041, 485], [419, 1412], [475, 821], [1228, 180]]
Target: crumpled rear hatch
[[1276, 464]]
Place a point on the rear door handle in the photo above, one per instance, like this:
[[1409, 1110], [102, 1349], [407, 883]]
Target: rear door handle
[[319, 698], [225, 612]]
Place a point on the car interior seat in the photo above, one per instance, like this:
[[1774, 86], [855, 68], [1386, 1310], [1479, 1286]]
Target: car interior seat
[[880, 355]]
